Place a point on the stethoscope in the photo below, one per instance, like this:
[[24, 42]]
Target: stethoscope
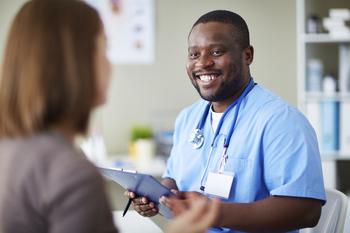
[[196, 138]]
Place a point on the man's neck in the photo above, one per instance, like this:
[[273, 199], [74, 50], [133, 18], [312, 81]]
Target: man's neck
[[221, 106]]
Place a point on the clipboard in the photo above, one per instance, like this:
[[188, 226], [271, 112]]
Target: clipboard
[[142, 185]]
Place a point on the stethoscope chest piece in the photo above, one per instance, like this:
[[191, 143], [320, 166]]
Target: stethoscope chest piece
[[196, 138]]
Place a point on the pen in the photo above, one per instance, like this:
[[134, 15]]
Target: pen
[[127, 206]]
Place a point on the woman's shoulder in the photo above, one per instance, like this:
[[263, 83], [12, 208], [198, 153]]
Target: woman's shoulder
[[64, 158], [47, 155]]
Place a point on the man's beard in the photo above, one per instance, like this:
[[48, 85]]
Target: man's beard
[[226, 89]]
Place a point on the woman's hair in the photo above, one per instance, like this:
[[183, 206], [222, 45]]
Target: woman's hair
[[47, 78]]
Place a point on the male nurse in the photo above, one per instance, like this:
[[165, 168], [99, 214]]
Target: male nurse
[[254, 150]]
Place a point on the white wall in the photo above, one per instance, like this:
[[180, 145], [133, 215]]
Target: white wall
[[136, 92]]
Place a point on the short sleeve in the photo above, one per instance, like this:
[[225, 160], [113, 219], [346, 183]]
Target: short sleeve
[[292, 161]]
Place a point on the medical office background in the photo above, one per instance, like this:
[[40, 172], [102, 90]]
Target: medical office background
[[143, 94]]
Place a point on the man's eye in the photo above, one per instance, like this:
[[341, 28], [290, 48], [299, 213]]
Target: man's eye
[[193, 55], [217, 53]]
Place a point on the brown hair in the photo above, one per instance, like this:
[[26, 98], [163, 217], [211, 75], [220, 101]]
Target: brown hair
[[47, 76]]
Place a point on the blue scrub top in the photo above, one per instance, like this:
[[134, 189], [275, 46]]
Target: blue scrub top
[[273, 151]]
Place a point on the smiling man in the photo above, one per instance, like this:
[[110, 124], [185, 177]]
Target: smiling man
[[215, 63], [247, 145]]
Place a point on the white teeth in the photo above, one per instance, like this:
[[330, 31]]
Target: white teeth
[[207, 77]]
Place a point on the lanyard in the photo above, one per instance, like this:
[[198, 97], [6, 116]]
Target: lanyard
[[227, 141]]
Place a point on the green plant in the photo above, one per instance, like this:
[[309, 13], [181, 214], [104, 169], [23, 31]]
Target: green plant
[[141, 132]]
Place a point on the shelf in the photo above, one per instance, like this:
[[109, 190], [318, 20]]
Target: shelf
[[318, 96], [323, 46], [323, 38], [335, 156]]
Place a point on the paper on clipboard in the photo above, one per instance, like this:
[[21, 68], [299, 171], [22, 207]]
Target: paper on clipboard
[[142, 185]]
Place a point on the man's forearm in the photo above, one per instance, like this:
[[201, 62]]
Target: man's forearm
[[272, 214]]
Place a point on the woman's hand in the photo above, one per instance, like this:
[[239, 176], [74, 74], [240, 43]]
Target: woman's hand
[[195, 214]]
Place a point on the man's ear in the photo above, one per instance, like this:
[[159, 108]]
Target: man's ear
[[248, 54]]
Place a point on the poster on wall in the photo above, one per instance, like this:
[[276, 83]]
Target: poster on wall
[[130, 30]]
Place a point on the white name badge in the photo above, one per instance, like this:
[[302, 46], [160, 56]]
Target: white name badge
[[219, 184]]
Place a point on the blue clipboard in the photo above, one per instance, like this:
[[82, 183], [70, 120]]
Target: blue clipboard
[[142, 185]]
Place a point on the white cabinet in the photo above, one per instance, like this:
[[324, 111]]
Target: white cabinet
[[324, 47]]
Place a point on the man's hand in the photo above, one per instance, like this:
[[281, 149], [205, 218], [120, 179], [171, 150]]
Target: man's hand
[[142, 205], [178, 206]]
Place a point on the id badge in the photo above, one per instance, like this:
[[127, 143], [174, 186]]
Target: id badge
[[219, 184]]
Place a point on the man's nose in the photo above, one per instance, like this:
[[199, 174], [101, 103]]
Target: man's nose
[[204, 61]]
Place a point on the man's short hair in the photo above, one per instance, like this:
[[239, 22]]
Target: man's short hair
[[239, 27]]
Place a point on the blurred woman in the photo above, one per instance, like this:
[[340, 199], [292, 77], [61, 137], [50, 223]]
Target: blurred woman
[[54, 73]]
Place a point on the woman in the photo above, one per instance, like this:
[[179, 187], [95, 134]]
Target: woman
[[55, 71]]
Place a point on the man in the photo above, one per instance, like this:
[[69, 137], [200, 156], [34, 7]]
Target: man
[[261, 151]]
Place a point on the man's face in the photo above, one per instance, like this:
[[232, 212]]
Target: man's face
[[214, 62]]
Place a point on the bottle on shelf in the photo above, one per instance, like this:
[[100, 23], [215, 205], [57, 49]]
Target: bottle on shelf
[[329, 116], [314, 75], [314, 25], [329, 84], [344, 68]]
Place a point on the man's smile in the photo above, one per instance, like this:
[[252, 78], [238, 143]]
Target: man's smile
[[206, 77]]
